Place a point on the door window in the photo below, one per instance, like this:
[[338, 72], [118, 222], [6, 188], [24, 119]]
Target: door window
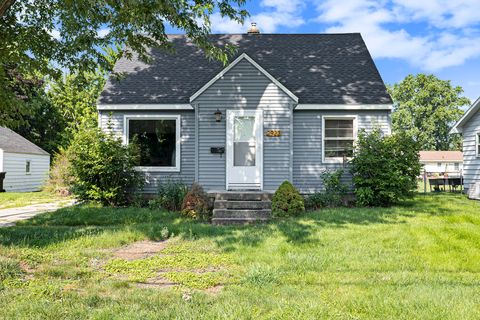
[[244, 144]]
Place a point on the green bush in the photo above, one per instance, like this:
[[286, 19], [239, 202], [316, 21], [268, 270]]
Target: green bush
[[384, 168], [196, 204], [103, 168], [287, 201], [60, 178], [170, 195], [334, 194]]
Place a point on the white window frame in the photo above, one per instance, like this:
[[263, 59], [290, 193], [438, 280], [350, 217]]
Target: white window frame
[[337, 117], [29, 172], [177, 119], [477, 144]]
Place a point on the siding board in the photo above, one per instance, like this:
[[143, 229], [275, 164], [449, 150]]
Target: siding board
[[471, 163], [17, 180]]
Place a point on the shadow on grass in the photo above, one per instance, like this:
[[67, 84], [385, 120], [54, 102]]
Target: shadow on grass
[[79, 221]]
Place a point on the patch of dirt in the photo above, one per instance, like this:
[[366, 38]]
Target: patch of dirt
[[140, 250], [215, 289], [158, 282]]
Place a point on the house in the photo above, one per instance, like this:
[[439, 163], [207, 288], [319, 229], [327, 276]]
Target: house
[[441, 162], [285, 107], [469, 126], [26, 165]]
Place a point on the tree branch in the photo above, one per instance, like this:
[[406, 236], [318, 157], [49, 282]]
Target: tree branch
[[5, 5]]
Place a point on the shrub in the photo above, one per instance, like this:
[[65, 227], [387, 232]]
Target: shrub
[[334, 194], [60, 178], [170, 195], [196, 204], [287, 201], [384, 169], [102, 167]]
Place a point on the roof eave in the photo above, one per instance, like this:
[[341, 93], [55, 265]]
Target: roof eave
[[458, 127]]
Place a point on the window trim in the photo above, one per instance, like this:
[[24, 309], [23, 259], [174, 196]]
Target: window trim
[[29, 162], [177, 118], [337, 160], [477, 144]]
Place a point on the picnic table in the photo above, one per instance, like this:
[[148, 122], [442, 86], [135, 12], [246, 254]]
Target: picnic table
[[452, 182]]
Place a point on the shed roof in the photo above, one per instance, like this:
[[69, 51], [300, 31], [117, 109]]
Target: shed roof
[[11, 141], [452, 156], [316, 68]]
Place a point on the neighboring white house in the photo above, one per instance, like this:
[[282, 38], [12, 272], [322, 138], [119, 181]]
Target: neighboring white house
[[469, 126], [441, 162], [26, 165]]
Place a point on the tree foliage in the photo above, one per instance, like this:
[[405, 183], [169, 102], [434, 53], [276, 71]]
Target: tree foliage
[[426, 108], [384, 168], [287, 201], [46, 35]]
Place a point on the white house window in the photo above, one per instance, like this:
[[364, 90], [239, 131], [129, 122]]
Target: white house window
[[456, 166], [28, 166], [338, 138], [439, 164], [477, 146], [158, 139]]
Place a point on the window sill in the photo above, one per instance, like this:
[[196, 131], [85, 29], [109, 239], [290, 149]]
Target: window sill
[[158, 169], [335, 160]]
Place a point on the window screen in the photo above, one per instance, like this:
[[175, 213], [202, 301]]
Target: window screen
[[339, 138], [157, 141]]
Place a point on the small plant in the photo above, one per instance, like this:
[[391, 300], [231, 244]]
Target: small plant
[[164, 233], [287, 201], [335, 191], [170, 195], [196, 204], [60, 178]]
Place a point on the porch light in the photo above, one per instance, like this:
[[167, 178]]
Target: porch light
[[218, 115]]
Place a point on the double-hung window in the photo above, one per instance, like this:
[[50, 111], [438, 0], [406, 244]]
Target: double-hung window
[[339, 134], [158, 138]]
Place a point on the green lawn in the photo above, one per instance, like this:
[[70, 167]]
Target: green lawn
[[419, 260], [20, 199]]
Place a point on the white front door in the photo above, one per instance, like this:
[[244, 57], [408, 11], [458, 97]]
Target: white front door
[[244, 150]]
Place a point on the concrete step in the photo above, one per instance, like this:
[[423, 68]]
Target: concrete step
[[243, 196], [225, 221], [242, 214], [228, 204]]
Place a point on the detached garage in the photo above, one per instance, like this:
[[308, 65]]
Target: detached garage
[[26, 165]]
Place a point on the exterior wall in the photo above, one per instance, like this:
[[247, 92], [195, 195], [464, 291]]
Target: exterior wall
[[307, 144], [471, 163], [244, 87], [187, 144], [445, 167], [17, 180]]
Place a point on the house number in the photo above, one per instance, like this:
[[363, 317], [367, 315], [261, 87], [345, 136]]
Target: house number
[[273, 133]]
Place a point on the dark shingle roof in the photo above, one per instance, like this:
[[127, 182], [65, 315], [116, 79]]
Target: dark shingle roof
[[11, 141], [317, 68]]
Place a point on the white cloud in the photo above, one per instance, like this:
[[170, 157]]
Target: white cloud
[[380, 22], [55, 34], [103, 32], [278, 13]]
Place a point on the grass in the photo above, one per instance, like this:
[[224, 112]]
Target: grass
[[21, 199], [417, 260]]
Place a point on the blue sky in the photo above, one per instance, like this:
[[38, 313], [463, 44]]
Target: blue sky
[[404, 36]]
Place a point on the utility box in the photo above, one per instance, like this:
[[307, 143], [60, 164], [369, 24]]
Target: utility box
[[2, 177]]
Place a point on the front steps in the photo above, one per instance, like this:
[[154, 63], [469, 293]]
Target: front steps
[[241, 207]]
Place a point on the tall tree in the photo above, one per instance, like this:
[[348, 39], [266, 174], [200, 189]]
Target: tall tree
[[50, 35], [425, 108]]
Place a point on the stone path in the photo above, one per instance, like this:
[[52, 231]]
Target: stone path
[[8, 217]]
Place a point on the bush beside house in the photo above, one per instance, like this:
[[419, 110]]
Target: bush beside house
[[384, 168], [287, 201], [102, 168]]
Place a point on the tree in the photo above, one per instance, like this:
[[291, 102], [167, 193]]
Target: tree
[[49, 35], [425, 108]]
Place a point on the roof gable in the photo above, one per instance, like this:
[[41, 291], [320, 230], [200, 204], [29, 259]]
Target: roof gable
[[243, 56], [316, 68], [458, 127], [11, 141]]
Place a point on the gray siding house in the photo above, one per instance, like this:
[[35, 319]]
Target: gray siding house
[[469, 126], [286, 107]]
